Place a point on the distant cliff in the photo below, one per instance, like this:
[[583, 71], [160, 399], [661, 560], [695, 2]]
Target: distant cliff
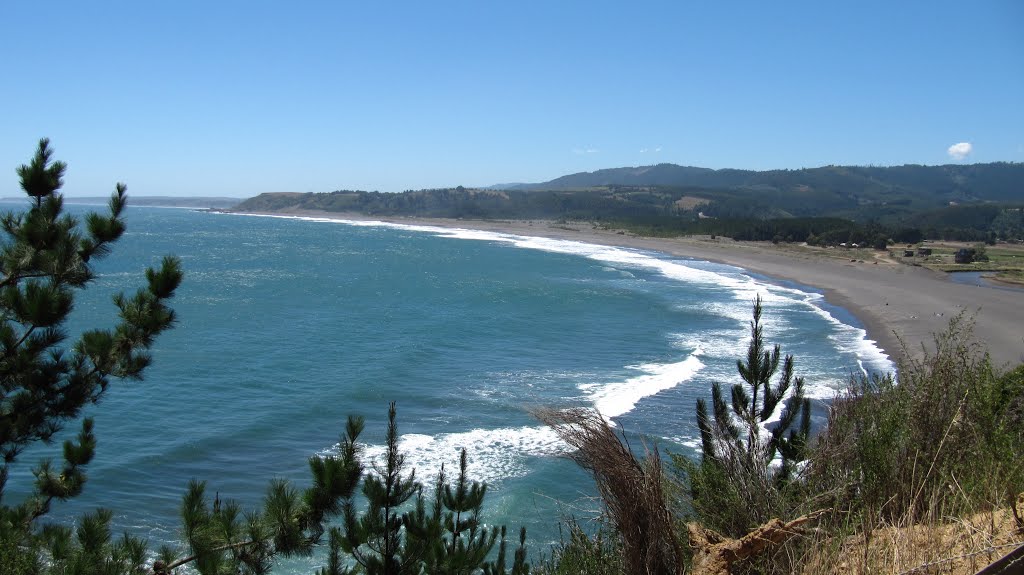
[[161, 201]]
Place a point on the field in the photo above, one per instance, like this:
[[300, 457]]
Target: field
[[1006, 261]]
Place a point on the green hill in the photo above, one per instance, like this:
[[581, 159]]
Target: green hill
[[999, 181], [966, 202]]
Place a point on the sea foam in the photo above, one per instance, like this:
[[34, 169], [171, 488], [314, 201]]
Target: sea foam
[[619, 398], [500, 448], [744, 288], [494, 454]]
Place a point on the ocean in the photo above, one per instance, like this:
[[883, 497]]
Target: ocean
[[288, 325]]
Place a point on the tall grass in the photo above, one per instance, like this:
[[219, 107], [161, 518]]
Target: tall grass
[[926, 470], [944, 441], [916, 475], [579, 553], [633, 491]]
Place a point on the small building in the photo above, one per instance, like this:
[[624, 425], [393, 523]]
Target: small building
[[924, 251], [964, 256], [908, 253]]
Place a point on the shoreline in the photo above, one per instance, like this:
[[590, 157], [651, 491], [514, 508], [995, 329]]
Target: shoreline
[[894, 302]]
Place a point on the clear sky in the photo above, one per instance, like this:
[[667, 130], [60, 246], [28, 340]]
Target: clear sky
[[240, 98]]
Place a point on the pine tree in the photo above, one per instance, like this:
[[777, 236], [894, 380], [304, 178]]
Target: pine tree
[[445, 536], [736, 426], [221, 539], [452, 538], [45, 257], [736, 484], [468, 543], [374, 540], [519, 564]]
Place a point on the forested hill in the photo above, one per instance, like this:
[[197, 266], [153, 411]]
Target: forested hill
[[1000, 181], [954, 202]]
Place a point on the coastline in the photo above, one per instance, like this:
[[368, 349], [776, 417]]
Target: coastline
[[894, 302]]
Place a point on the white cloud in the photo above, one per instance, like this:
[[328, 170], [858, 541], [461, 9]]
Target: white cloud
[[581, 151], [960, 151]]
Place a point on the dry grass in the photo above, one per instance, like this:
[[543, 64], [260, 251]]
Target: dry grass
[[919, 476], [690, 202], [956, 546], [926, 472], [632, 490]]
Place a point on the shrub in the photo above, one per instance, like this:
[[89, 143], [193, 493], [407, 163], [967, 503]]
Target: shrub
[[945, 440], [737, 483], [581, 554]]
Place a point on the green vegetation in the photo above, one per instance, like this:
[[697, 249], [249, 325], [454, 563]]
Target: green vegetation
[[389, 538], [450, 538], [926, 456], [831, 205], [952, 417], [597, 554], [895, 187], [934, 450], [1015, 277], [1006, 261], [45, 383], [737, 471]]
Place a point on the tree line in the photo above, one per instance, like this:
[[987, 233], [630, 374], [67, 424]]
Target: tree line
[[751, 215]]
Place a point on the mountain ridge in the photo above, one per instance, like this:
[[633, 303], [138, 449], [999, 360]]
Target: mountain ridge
[[965, 202], [938, 178]]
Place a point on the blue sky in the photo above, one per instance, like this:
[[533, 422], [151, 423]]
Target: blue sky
[[240, 98]]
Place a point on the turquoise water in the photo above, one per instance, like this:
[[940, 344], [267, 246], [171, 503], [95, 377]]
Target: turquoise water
[[289, 325]]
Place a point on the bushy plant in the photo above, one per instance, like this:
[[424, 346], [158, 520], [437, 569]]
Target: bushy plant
[[583, 554], [946, 440], [980, 253], [448, 537], [738, 482]]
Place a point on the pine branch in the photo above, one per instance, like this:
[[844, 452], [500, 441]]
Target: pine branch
[[225, 547]]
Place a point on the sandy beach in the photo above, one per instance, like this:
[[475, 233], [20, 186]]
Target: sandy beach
[[895, 302]]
